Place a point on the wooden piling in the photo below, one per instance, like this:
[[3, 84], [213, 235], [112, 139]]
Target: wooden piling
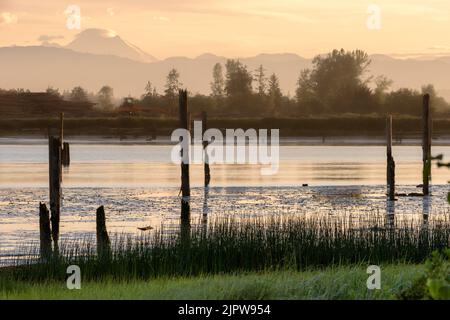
[[61, 128], [103, 242], [390, 170], [65, 149], [185, 183], [65, 154], [205, 145], [44, 232], [55, 178], [426, 145]]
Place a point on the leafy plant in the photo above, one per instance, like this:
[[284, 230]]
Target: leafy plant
[[435, 283], [438, 269]]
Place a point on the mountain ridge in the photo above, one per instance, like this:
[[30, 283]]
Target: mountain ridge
[[25, 67]]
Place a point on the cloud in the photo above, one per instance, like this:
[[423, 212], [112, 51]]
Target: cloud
[[47, 38], [161, 18], [439, 47], [110, 11], [7, 18]]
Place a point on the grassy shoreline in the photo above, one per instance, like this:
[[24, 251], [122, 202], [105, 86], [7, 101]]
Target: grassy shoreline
[[340, 282], [276, 258]]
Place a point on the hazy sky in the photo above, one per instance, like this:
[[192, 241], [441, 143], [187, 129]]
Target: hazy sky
[[239, 27]]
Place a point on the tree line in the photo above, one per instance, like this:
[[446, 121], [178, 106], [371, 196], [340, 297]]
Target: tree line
[[337, 83]]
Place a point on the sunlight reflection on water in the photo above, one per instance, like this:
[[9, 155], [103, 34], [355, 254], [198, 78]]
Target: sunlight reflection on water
[[139, 187]]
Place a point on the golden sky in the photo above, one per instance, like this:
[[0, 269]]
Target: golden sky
[[237, 28]]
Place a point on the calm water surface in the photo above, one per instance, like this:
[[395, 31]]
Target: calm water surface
[[139, 186]]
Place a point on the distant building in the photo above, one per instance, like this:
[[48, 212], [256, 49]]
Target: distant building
[[41, 104]]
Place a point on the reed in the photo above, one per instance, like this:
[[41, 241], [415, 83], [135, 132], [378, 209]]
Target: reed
[[231, 245]]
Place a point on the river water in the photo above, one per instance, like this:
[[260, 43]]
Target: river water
[[139, 186]]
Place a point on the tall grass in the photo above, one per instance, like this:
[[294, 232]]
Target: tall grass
[[228, 245]]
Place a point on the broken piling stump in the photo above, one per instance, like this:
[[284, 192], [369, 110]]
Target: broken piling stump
[[44, 232], [103, 242]]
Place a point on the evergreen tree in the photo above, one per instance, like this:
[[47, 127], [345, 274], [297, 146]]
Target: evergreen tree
[[218, 83], [275, 95], [173, 84], [261, 81]]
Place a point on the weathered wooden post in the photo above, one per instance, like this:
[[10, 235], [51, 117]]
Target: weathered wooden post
[[205, 145], [390, 176], [185, 183], [44, 232], [61, 128], [66, 154], [426, 145], [65, 149], [103, 242], [55, 178]]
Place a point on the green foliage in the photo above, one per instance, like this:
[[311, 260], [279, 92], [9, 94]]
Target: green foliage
[[438, 275], [435, 282], [341, 282]]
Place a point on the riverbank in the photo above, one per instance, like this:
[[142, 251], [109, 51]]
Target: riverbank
[[345, 140], [150, 128], [346, 282]]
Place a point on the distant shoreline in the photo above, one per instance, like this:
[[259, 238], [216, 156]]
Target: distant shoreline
[[406, 130], [165, 140]]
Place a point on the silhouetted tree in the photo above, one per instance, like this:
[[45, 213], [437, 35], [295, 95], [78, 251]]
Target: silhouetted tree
[[105, 97], [78, 94], [52, 91], [218, 83], [173, 84], [403, 101], [438, 104], [306, 94], [238, 86], [261, 81], [275, 95], [335, 82], [382, 84]]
